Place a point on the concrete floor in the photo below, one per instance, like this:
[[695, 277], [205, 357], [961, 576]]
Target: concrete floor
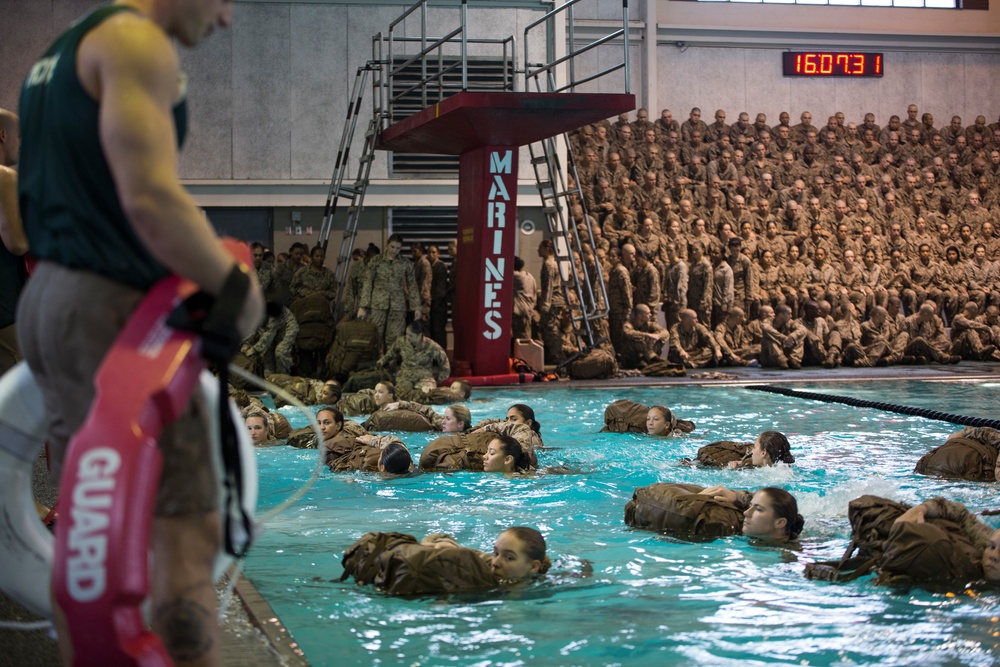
[[252, 633]]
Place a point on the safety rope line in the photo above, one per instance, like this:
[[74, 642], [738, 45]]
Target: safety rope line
[[927, 413]]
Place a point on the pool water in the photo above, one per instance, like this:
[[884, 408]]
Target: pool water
[[650, 600]]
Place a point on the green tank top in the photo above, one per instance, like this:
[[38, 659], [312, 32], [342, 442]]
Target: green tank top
[[68, 200]]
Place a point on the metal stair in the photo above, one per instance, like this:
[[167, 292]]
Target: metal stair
[[354, 193]]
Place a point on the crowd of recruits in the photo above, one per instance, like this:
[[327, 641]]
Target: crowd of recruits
[[712, 218]]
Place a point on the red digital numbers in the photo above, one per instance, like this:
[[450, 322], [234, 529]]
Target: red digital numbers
[[832, 64]]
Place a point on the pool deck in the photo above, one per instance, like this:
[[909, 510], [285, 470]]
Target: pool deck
[[252, 634]]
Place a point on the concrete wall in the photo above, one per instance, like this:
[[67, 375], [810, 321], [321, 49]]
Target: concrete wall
[[268, 98], [747, 79]]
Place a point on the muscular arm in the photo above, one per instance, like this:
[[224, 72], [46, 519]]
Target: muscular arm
[[11, 228], [129, 65]]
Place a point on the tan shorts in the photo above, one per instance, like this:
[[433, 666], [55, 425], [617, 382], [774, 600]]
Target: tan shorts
[[67, 319]]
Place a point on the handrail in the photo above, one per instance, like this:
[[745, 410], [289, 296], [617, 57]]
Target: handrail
[[572, 51]]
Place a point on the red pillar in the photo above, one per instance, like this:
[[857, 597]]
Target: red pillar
[[487, 225]]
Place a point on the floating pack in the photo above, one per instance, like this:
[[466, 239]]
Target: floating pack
[[362, 458], [399, 565], [397, 420], [366, 379], [456, 452], [871, 520], [935, 552], [720, 454], [359, 403], [962, 458], [315, 322], [282, 429], [355, 344], [680, 511], [625, 416], [596, 364]]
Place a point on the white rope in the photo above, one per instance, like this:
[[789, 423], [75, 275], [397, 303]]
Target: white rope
[[318, 470], [237, 568]]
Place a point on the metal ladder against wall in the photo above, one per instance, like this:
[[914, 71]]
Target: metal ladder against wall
[[584, 302], [354, 193]]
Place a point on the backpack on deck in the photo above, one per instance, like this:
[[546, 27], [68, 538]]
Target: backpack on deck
[[962, 458], [596, 364], [934, 552], [356, 343], [679, 510], [871, 520], [398, 564], [720, 454], [315, 322]]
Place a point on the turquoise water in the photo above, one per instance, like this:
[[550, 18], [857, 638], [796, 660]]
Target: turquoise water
[[650, 600]]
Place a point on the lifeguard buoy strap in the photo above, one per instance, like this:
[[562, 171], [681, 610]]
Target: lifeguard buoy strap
[[213, 319], [961, 420]]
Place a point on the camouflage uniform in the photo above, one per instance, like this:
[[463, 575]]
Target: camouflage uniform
[[636, 350], [422, 274], [414, 363], [619, 303], [699, 344], [700, 285], [265, 276], [967, 339], [308, 280], [358, 403], [927, 339], [389, 287], [551, 304], [273, 343], [675, 288], [353, 284], [525, 297], [439, 303], [736, 342]]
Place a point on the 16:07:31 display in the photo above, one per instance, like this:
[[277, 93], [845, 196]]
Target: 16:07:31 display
[[808, 63]]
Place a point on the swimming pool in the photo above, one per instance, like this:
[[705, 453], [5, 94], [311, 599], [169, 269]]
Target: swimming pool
[[650, 600]]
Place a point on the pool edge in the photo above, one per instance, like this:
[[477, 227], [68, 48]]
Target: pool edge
[[263, 617]]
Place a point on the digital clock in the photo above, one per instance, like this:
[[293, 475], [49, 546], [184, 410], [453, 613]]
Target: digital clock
[[836, 63]]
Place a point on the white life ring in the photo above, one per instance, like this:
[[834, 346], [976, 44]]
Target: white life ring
[[26, 546]]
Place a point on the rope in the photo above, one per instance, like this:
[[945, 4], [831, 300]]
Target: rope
[[927, 413]]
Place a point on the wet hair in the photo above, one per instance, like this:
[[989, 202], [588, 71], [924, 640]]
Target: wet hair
[[335, 389], [465, 388], [416, 326], [775, 444], [258, 414], [390, 387], [338, 416], [518, 263], [676, 424], [395, 238], [372, 250], [534, 545], [511, 447], [786, 508], [462, 414], [528, 414], [396, 459]]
